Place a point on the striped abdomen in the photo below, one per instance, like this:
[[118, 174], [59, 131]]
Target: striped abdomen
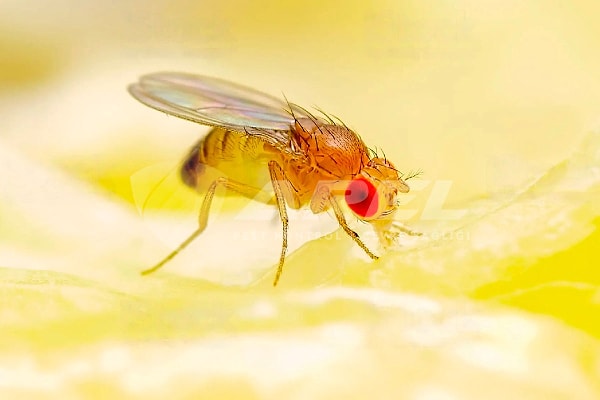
[[231, 154]]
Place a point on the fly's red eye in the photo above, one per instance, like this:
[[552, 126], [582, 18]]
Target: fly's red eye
[[361, 197]]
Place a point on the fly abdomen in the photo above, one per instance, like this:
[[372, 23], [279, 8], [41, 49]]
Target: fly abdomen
[[192, 168], [218, 145], [232, 153]]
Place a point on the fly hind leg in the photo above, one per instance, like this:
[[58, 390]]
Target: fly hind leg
[[245, 190]]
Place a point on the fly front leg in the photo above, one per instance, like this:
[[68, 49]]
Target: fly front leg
[[405, 229], [388, 232], [342, 221], [245, 190]]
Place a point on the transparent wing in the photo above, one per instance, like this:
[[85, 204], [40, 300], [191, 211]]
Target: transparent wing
[[216, 102]]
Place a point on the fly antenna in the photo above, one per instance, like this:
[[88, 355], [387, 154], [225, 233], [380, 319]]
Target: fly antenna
[[414, 174]]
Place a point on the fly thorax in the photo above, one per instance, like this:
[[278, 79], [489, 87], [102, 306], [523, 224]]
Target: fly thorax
[[334, 149]]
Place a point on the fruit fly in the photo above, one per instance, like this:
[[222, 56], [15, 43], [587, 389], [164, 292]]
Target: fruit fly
[[258, 139]]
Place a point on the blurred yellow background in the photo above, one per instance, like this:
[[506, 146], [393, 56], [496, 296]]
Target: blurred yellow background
[[498, 98], [484, 93]]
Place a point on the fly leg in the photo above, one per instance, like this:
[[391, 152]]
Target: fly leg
[[277, 177], [389, 231], [245, 190], [405, 229], [342, 221]]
